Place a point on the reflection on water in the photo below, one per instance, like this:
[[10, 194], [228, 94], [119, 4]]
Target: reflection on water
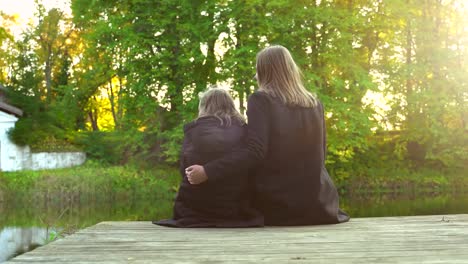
[[23, 223], [17, 240], [20, 219], [402, 205]]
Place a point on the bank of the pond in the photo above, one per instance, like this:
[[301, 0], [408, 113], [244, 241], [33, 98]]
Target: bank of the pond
[[67, 200], [96, 182], [89, 182], [404, 181]]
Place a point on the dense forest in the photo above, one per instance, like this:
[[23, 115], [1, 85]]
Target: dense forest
[[120, 78]]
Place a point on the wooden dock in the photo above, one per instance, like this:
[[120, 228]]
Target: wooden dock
[[415, 239]]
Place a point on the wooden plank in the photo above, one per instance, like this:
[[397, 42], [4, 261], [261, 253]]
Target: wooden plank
[[411, 239]]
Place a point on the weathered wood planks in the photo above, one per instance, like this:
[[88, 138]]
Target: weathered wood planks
[[414, 239]]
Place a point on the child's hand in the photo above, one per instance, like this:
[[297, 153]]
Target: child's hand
[[196, 174]]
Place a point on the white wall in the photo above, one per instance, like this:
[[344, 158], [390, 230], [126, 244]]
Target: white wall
[[13, 157], [54, 160]]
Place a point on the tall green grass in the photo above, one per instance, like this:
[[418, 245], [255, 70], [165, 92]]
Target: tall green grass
[[405, 181], [85, 195], [91, 181]]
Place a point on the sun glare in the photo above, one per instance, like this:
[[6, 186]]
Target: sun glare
[[24, 11]]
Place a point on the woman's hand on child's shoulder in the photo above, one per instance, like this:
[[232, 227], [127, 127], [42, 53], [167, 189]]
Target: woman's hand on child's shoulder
[[196, 174]]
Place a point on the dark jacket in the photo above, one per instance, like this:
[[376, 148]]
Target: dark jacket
[[223, 201], [287, 145]]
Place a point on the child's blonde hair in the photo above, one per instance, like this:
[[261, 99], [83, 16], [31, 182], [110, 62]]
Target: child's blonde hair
[[218, 102]]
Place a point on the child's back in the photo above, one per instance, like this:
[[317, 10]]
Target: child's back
[[223, 200]]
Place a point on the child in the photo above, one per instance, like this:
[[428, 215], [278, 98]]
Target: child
[[221, 200]]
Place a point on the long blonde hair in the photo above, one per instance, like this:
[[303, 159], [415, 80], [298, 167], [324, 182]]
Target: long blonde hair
[[279, 76], [218, 102]]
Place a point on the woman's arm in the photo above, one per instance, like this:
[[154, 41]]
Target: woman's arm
[[324, 131], [182, 163], [242, 159]]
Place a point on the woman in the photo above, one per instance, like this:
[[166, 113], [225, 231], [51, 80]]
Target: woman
[[224, 202], [286, 145]]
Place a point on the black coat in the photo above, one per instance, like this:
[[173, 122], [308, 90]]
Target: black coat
[[223, 202], [287, 146]]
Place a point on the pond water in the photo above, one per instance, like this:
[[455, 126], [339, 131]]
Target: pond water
[[17, 240], [27, 224]]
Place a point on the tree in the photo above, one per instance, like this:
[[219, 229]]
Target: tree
[[39, 77]]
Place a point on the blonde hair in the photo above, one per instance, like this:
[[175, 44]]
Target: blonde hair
[[218, 102], [279, 76]]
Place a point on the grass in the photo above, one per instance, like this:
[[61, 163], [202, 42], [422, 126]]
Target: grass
[[91, 181], [404, 181], [94, 181], [73, 198], [87, 194], [66, 200]]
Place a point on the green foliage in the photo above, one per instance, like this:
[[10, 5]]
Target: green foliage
[[388, 204], [77, 197], [134, 69], [51, 144], [381, 169], [103, 146], [172, 146], [90, 182], [43, 128]]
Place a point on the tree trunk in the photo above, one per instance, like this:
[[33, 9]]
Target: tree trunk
[[93, 120], [409, 85], [110, 91], [48, 74]]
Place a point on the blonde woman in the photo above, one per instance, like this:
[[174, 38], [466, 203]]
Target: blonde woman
[[286, 145], [220, 202]]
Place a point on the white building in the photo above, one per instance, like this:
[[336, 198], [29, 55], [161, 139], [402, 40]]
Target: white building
[[11, 155], [14, 157]]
